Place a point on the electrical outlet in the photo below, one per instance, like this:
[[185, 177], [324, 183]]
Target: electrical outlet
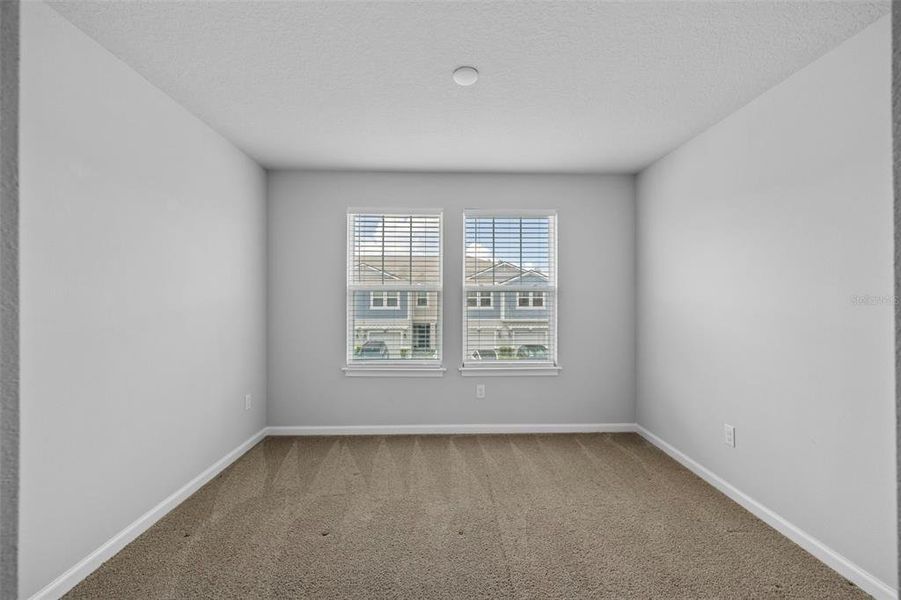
[[729, 432], [480, 390], [248, 400]]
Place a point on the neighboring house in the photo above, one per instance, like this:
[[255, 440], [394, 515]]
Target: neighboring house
[[408, 322], [505, 321]]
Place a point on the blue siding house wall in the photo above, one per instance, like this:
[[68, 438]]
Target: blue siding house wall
[[513, 311], [486, 313], [362, 309]]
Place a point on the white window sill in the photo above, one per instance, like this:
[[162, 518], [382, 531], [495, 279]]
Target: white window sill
[[511, 371], [393, 371]]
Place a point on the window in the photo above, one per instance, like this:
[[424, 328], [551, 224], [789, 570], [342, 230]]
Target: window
[[478, 299], [530, 300], [422, 336], [382, 300], [394, 286], [510, 267]]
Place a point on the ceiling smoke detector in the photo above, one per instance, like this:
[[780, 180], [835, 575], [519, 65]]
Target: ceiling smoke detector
[[466, 76]]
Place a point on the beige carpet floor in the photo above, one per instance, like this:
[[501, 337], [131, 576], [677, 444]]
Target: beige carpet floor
[[524, 516]]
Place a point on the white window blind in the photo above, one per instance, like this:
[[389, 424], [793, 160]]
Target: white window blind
[[510, 289], [394, 285]]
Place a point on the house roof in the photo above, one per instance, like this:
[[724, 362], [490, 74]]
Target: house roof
[[387, 269], [501, 272], [425, 269], [525, 274]]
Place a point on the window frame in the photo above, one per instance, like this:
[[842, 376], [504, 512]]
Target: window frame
[[394, 367], [514, 368], [421, 296]]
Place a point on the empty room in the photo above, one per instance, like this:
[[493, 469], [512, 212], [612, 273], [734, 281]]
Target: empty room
[[448, 299]]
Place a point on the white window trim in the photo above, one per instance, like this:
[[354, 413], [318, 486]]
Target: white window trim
[[395, 368], [518, 369], [550, 368], [384, 305], [420, 295]]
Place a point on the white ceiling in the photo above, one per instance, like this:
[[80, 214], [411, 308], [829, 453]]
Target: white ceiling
[[565, 86]]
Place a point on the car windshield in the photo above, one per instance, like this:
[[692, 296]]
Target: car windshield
[[535, 351], [373, 349]]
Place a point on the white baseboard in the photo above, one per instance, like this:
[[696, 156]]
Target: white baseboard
[[453, 429], [65, 582], [844, 567]]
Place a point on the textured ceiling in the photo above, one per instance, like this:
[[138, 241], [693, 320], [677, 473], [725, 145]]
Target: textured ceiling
[[565, 86]]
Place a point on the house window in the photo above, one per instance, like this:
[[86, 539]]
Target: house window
[[510, 257], [530, 300], [478, 299], [393, 268], [384, 300], [422, 336]]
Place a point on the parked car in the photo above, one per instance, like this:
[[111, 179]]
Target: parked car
[[532, 352], [373, 349], [485, 355]]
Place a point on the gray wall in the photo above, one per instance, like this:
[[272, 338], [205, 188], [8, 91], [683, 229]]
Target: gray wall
[[896, 136], [753, 239], [9, 297], [307, 235], [143, 296]]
